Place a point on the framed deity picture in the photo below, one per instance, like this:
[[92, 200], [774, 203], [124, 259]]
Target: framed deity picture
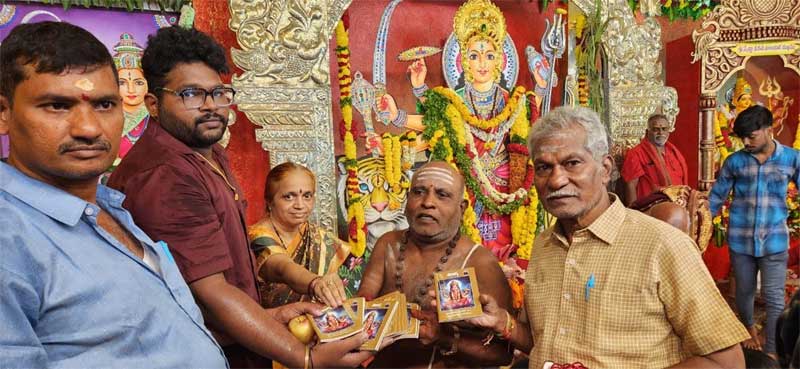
[[335, 323], [457, 295]]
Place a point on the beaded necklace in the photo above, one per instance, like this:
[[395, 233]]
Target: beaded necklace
[[422, 291], [486, 103]]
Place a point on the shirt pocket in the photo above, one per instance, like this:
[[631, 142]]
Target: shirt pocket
[[778, 179], [624, 317]]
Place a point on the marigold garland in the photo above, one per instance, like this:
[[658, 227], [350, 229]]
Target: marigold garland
[[355, 210], [525, 226], [474, 121], [393, 163]]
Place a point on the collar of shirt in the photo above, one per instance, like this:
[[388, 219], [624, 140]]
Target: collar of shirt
[[604, 227], [775, 154], [56, 203]]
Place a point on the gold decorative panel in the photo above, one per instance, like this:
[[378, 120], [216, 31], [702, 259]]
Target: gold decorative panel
[[285, 88], [635, 79]]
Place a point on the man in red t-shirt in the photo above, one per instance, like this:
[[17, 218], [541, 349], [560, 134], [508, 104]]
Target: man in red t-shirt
[[653, 163], [179, 187]]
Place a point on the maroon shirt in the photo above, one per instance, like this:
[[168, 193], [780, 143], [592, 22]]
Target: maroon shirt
[[175, 196]]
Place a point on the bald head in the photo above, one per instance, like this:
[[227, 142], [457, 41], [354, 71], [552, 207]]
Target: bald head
[[440, 172]]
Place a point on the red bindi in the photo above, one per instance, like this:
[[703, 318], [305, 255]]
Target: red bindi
[[85, 97]]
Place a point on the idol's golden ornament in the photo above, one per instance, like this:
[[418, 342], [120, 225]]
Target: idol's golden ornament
[[479, 20]]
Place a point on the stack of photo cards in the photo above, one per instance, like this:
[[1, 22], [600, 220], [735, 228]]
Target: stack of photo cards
[[413, 323], [386, 316], [377, 320], [457, 295]]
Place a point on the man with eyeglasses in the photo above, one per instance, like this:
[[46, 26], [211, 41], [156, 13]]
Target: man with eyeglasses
[[653, 163], [180, 189]]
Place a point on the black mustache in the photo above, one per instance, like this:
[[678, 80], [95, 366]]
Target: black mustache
[[84, 145], [210, 117]]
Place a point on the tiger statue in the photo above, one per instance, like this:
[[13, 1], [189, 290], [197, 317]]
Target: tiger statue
[[383, 208]]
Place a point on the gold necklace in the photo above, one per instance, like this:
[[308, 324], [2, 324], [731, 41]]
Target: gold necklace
[[221, 174]]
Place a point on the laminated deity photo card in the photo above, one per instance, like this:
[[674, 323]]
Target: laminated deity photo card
[[457, 295], [335, 323], [377, 318]]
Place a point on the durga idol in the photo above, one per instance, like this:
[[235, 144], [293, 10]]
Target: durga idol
[[481, 128]]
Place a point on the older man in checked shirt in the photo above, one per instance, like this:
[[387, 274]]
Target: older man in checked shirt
[[757, 233]]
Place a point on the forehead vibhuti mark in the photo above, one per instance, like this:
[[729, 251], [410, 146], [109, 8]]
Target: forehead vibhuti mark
[[435, 174]]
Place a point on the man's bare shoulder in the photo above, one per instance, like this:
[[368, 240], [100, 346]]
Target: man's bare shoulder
[[481, 257], [389, 238]]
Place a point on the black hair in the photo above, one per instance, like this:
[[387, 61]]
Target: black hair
[[176, 45], [41, 45], [752, 119]]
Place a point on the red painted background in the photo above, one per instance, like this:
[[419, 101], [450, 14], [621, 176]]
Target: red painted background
[[414, 23], [685, 78]]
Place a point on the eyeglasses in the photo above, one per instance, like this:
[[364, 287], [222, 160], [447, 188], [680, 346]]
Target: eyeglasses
[[195, 97], [660, 129]]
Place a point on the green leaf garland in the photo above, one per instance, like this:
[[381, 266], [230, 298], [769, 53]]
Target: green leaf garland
[[434, 120]]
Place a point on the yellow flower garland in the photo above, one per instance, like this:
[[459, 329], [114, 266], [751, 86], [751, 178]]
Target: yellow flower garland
[[394, 181], [474, 121], [796, 143], [523, 228], [355, 210]]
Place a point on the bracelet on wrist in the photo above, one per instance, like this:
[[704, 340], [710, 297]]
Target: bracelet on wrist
[[509, 328], [501, 333], [311, 285], [401, 119], [419, 91]]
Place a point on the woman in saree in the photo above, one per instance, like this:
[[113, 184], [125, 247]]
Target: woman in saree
[[296, 260]]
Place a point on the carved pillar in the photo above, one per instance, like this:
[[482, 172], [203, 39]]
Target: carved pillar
[[285, 88], [708, 105]]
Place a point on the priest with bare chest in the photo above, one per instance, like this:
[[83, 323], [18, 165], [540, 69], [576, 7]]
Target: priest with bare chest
[[406, 261]]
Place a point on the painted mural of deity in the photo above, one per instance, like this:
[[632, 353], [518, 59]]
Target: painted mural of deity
[[133, 88], [480, 124]]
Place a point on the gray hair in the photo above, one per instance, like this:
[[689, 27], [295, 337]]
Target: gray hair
[[566, 117], [651, 119]]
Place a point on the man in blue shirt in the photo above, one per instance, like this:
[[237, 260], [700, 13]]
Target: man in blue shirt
[[758, 235], [81, 286]]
